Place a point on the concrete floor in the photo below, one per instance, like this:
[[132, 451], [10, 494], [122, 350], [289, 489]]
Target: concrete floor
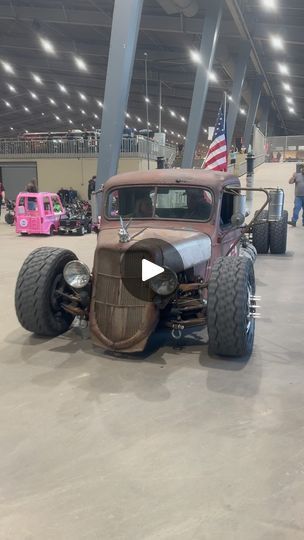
[[173, 446]]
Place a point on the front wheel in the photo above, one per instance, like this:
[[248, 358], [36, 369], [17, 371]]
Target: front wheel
[[230, 307], [37, 294], [9, 218]]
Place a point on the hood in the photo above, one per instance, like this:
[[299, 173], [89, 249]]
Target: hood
[[179, 249]]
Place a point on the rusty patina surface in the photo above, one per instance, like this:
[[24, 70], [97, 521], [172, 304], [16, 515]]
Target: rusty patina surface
[[119, 321]]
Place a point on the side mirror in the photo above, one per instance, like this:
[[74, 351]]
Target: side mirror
[[239, 210]]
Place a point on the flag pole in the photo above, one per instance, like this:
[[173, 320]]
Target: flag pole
[[225, 108]]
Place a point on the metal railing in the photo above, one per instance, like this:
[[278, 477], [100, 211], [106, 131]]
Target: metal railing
[[287, 148], [130, 147]]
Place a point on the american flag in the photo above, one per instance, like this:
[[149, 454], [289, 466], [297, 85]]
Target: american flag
[[217, 158]]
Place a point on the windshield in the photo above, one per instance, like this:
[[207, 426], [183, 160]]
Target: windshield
[[160, 203]]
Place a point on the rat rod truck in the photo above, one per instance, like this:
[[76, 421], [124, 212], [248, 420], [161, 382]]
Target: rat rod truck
[[190, 222]]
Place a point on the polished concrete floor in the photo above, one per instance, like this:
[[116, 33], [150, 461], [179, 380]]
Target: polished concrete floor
[[173, 446]]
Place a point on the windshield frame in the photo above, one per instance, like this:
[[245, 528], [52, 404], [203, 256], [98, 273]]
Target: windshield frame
[[156, 187]]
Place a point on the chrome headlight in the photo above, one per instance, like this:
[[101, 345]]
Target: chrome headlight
[[76, 274], [165, 283]]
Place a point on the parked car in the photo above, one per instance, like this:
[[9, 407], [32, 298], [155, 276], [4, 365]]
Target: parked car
[[38, 213], [75, 224], [191, 223]]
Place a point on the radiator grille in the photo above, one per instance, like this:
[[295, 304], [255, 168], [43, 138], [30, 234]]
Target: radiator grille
[[119, 314]]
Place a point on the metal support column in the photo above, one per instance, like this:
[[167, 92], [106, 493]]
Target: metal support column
[[209, 39], [238, 82], [265, 109], [253, 107], [124, 33]]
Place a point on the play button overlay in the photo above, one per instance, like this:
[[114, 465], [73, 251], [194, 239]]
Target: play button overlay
[[150, 270], [148, 263]]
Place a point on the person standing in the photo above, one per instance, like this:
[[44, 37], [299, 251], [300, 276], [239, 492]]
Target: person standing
[[298, 179], [91, 187], [2, 195]]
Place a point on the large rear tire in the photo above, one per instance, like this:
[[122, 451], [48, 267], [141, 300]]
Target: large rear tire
[[231, 324], [260, 234], [278, 235], [37, 304]]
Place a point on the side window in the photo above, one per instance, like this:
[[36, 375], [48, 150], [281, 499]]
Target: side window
[[32, 204], [56, 204], [227, 209], [21, 206], [47, 205]]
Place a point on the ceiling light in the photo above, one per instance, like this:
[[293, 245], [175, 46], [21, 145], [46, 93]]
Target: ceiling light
[[134, 129], [172, 113], [33, 95], [47, 45], [283, 69], [229, 98], [161, 107], [26, 131], [52, 101], [80, 63], [12, 88], [95, 116], [178, 135], [68, 107], [57, 117], [287, 87], [183, 119], [42, 114], [277, 42], [70, 121], [82, 111], [36, 78], [212, 76], [205, 130], [242, 111], [93, 127], [11, 128], [195, 57], [82, 96], [184, 138], [7, 103], [269, 4], [165, 131], [291, 110], [127, 115], [147, 100], [99, 103], [149, 124], [156, 127], [126, 126], [289, 99], [172, 132], [138, 119], [26, 108], [7, 67], [62, 88]]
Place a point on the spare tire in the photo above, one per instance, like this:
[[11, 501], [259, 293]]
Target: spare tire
[[278, 235], [37, 304], [260, 233]]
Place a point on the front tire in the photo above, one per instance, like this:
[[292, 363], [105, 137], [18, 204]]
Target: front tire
[[278, 235], [37, 304], [231, 324]]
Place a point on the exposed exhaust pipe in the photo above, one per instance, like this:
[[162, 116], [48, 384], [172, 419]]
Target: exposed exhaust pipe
[[189, 8]]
